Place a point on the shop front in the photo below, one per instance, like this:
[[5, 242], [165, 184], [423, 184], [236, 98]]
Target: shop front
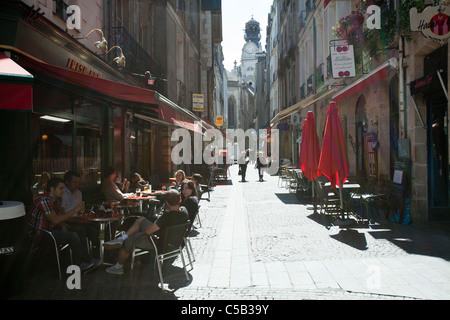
[[67, 108], [366, 114], [431, 90]]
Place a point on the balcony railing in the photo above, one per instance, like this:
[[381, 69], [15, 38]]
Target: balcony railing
[[329, 67], [310, 84], [320, 75], [138, 60], [303, 92], [60, 9]]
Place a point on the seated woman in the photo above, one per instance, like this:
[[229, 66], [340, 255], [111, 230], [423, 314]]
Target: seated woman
[[180, 176], [189, 200], [40, 186], [136, 182]]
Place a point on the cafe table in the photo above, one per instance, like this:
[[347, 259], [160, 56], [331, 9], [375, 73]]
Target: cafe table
[[102, 220], [140, 198], [346, 191]]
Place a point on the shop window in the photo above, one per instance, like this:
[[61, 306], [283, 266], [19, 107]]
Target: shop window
[[53, 148], [88, 148]]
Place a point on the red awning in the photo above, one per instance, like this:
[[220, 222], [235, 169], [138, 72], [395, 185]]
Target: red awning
[[172, 113], [16, 90], [373, 77], [116, 90]]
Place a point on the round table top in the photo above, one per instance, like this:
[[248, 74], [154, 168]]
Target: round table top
[[11, 210], [93, 217], [139, 197]]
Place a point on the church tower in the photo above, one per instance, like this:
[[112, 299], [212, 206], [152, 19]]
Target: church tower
[[250, 50]]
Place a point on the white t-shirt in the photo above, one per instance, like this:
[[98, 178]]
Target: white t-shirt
[[71, 200]]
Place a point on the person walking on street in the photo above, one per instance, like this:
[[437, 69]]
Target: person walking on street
[[260, 166], [243, 165]]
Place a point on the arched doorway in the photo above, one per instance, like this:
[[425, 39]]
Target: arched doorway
[[361, 129]]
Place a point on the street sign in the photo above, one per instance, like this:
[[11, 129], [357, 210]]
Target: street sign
[[219, 121], [197, 102]]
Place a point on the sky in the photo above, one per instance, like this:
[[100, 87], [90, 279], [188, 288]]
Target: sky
[[235, 13]]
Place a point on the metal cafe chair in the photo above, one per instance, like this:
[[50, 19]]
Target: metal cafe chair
[[282, 177], [48, 237], [168, 246]]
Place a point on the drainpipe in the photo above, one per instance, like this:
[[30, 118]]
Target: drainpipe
[[401, 76], [401, 91]]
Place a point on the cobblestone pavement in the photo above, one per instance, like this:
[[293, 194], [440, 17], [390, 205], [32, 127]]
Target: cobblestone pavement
[[258, 242]]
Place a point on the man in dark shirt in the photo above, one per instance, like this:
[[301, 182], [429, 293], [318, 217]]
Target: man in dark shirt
[[142, 228]]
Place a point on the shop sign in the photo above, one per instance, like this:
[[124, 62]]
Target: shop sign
[[78, 67], [198, 102], [343, 61], [219, 121], [433, 22], [421, 84]]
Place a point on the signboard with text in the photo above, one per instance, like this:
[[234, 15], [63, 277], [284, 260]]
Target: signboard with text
[[433, 22], [343, 61], [197, 102]]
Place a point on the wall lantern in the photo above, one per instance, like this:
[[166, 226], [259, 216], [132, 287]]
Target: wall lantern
[[102, 45], [121, 61]]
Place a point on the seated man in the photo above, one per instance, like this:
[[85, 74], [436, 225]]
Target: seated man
[[71, 198], [142, 228], [46, 214], [109, 188]]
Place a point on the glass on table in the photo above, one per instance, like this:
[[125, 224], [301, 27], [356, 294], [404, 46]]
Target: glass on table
[[138, 192]]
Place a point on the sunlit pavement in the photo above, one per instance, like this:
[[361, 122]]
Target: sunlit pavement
[[258, 242]]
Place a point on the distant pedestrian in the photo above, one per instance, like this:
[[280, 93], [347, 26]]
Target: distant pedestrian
[[245, 159], [260, 166]]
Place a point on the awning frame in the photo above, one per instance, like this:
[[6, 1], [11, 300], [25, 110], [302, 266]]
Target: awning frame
[[379, 72], [300, 106]]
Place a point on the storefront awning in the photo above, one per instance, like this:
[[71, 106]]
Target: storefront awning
[[107, 88], [369, 79], [300, 106], [174, 114], [16, 86], [168, 111]]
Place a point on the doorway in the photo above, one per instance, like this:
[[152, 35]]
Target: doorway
[[438, 168]]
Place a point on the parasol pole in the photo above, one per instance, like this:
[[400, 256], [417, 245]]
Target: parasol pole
[[314, 196], [340, 196]]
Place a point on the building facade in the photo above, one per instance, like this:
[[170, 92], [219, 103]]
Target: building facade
[[390, 118], [109, 92]]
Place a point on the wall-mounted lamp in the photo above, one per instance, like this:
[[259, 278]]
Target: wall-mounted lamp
[[121, 61], [102, 45]]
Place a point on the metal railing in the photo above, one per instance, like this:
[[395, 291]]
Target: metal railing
[[138, 60]]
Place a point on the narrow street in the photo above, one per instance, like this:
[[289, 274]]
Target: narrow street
[[257, 242]]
